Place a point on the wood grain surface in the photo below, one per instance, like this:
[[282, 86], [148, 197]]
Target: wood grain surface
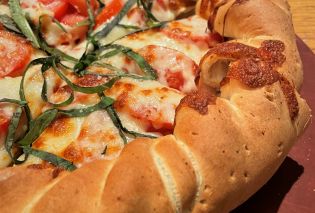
[[303, 13]]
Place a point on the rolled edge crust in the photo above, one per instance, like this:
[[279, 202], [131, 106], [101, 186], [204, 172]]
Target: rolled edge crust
[[239, 144], [257, 19], [223, 149]]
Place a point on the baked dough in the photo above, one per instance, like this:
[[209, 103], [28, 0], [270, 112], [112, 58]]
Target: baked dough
[[229, 139]]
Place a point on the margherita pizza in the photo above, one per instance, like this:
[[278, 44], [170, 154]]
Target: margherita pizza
[[144, 105]]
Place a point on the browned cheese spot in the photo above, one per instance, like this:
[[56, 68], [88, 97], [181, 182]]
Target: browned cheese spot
[[198, 101], [257, 67]]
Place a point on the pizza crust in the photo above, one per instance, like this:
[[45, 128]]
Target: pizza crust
[[223, 149]]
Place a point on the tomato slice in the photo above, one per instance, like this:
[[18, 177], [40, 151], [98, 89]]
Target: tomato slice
[[4, 123], [72, 18], [15, 53], [81, 6], [108, 12], [58, 7]]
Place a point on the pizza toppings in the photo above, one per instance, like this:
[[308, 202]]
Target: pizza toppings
[[150, 108], [15, 54], [83, 109]]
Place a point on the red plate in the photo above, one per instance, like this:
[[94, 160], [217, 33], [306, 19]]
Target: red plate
[[292, 188]]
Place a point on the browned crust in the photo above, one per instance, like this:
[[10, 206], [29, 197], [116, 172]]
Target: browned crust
[[198, 100], [223, 149]]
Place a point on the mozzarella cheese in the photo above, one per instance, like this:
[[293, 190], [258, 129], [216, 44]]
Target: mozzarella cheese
[[143, 106]]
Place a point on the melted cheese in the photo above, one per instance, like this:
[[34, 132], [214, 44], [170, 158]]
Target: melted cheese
[[145, 106], [189, 28], [9, 88]]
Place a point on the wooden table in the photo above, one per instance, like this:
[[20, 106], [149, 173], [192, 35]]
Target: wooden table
[[303, 12]]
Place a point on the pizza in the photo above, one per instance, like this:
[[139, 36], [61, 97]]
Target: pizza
[[145, 105]]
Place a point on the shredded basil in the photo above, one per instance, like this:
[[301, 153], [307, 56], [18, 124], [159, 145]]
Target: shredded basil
[[142, 63], [87, 90], [132, 27], [82, 112], [91, 17], [21, 21], [50, 50], [110, 26], [84, 62], [147, 8], [9, 141], [9, 24], [38, 126], [21, 90], [46, 66], [90, 57], [13, 101], [51, 158], [117, 122]]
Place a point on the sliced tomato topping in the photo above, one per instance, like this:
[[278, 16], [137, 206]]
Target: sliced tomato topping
[[81, 6], [4, 123], [175, 80], [109, 11], [15, 53], [58, 7], [72, 19]]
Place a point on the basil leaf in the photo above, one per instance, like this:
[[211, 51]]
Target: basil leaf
[[13, 101], [109, 27], [21, 21], [142, 63], [44, 94], [9, 24], [50, 50], [147, 9], [38, 126], [51, 158], [9, 141], [87, 90], [82, 112], [117, 122], [91, 17], [111, 53], [84, 62], [132, 27], [21, 90]]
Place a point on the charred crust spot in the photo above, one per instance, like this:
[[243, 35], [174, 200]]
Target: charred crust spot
[[289, 93], [198, 101]]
